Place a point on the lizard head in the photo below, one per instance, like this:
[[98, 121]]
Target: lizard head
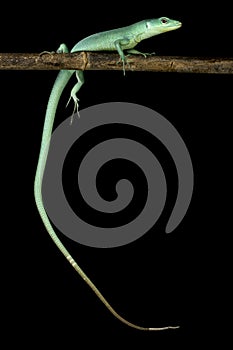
[[157, 26]]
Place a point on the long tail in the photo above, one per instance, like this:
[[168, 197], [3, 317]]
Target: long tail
[[61, 81], [58, 87]]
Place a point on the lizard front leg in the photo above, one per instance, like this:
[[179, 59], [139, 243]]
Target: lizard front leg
[[118, 45]]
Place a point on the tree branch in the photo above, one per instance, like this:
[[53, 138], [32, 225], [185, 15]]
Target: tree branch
[[110, 61]]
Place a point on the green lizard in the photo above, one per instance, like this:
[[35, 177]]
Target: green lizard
[[125, 38]]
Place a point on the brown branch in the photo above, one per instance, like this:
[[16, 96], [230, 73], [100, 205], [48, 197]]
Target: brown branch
[[110, 61]]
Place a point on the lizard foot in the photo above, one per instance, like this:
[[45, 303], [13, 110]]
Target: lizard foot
[[124, 63], [76, 105], [46, 53], [136, 52]]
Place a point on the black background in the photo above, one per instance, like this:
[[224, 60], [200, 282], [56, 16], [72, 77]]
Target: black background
[[160, 279]]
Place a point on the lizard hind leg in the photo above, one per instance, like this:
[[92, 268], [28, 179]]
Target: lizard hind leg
[[73, 96], [62, 49]]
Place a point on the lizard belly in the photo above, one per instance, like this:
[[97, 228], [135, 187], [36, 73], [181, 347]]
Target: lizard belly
[[104, 42]]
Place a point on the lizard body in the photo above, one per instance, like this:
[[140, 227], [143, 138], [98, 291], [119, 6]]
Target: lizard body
[[128, 37], [125, 38]]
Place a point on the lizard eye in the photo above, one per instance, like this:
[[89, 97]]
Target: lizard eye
[[148, 25], [164, 20]]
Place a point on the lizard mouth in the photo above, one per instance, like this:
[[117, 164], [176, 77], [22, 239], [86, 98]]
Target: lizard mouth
[[178, 24]]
